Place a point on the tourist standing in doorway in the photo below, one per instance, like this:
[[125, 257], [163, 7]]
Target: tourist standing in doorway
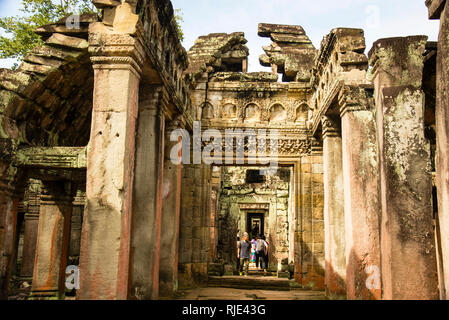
[[244, 253], [238, 257], [260, 251], [264, 254]]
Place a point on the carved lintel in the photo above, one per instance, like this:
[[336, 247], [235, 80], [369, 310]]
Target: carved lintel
[[286, 146], [78, 175], [254, 206], [52, 157]]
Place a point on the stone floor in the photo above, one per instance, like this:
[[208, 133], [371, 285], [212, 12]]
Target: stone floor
[[245, 294], [253, 282], [256, 286]]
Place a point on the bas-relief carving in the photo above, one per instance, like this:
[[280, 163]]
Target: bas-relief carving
[[207, 111], [252, 113], [275, 111], [229, 111], [278, 113]]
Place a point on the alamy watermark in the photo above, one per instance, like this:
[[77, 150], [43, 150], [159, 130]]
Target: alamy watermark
[[373, 281], [72, 280], [211, 147], [373, 17], [73, 22]]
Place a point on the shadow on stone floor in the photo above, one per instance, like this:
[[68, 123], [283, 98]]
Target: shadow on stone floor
[[210, 293]]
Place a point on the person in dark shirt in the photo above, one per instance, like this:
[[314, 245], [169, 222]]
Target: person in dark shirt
[[244, 254], [264, 245]]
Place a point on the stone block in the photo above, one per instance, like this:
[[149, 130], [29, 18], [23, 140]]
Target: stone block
[[317, 168], [283, 193], [216, 269], [283, 274]]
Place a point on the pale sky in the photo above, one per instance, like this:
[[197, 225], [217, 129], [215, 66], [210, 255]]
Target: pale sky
[[379, 19]]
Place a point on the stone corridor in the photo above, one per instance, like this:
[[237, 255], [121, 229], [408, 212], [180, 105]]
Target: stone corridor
[[129, 165]]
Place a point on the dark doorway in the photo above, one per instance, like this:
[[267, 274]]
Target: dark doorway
[[255, 224]]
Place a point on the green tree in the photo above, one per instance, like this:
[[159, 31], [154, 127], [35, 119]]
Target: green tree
[[179, 18], [20, 37]]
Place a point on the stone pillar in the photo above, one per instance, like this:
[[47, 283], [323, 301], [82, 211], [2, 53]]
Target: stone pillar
[[171, 208], [214, 212], [313, 222], [31, 229], [206, 175], [442, 132], [409, 268], [195, 234], [197, 218], [9, 203], [52, 241], [186, 227], [148, 191], [106, 232], [362, 210], [334, 218], [76, 224]]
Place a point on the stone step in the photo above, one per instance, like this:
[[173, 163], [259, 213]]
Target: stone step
[[253, 282], [260, 273]]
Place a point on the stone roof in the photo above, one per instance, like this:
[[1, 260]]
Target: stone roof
[[291, 52], [48, 99], [208, 52]]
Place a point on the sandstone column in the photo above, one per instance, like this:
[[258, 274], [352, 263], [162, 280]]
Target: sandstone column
[[442, 131], [409, 268], [76, 224], [52, 241], [106, 232], [147, 202], [186, 231], [8, 218], [206, 174], [214, 207], [334, 219], [362, 211], [196, 236], [31, 229], [171, 208], [197, 217]]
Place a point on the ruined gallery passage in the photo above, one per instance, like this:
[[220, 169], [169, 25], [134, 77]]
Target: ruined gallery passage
[[133, 169]]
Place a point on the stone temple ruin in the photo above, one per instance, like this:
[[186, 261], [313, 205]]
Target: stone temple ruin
[[90, 123]]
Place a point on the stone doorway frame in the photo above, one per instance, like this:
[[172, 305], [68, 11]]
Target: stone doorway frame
[[245, 209], [301, 178], [252, 216]]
